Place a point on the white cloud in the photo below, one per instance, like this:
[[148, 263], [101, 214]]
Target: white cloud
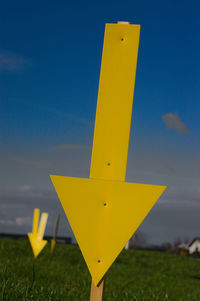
[[20, 221], [173, 121], [17, 205], [24, 188], [12, 62]]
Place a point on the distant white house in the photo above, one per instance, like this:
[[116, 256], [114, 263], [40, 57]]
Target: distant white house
[[127, 246], [194, 246], [191, 248]]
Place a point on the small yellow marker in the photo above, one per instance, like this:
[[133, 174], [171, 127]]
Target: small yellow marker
[[53, 241], [36, 237]]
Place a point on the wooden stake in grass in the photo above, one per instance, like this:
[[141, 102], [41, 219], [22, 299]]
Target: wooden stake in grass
[[97, 292], [53, 241]]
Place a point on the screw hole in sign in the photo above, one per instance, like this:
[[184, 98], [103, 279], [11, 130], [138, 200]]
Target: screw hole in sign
[[99, 261], [105, 204], [108, 163]]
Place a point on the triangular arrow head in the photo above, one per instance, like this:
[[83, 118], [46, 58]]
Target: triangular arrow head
[[36, 244], [104, 215]]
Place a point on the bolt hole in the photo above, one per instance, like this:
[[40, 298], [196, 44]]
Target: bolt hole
[[99, 261], [122, 39], [105, 204], [108, 163]]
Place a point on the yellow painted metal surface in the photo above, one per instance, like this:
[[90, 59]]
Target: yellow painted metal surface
[[36, 215], [36, 237], [42, 226], [104, 215], [104, 211], [115, 99]]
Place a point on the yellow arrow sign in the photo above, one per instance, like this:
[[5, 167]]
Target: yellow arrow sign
[[36, 237], [104, 211], [105, 217]]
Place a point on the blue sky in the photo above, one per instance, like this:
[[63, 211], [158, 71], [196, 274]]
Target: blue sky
[[50, 56]]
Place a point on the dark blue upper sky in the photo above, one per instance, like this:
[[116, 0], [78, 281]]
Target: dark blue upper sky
[[50, 56], [49, 94]]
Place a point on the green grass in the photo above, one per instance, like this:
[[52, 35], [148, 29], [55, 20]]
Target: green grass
[[136, 275]]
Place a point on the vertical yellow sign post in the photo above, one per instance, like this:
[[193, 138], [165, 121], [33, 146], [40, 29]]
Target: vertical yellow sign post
[[36, 237], [105, 211]]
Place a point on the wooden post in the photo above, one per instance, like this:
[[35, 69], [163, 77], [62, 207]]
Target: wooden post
[[53, 241], [97, 292], [56, 227]]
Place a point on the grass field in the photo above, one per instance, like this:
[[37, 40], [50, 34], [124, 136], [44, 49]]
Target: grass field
[[136, 275]]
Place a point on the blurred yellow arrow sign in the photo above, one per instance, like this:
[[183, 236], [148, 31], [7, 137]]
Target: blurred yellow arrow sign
[[105, 211], [36, 237]]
